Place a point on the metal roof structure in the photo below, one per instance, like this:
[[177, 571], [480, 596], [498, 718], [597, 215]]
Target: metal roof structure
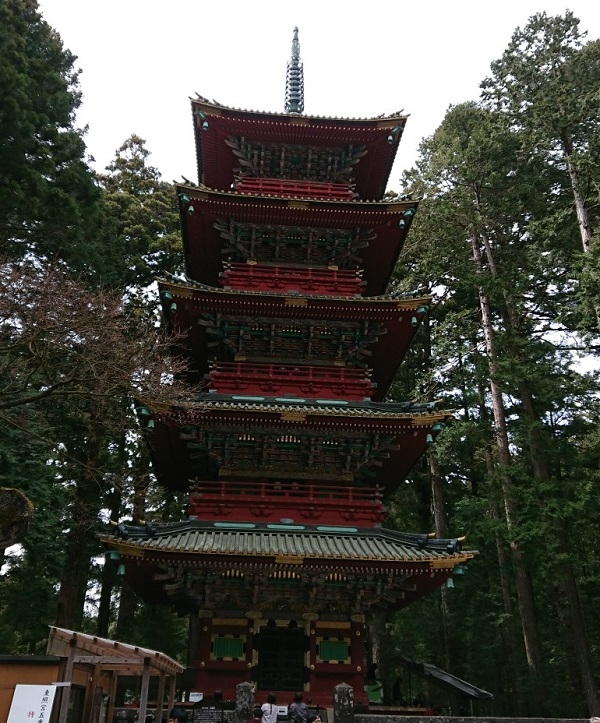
[[309, 542], [215, 125], [387, 222], [446, 680], [294, 79]]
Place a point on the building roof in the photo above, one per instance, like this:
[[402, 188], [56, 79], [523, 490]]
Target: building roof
[[387, 222], [197, 438], [446, 680], [387, 324], [215, 124], [354, 568], [291, 539], [125, 658]]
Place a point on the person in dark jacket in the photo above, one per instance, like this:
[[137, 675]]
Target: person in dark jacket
[[298, 710]]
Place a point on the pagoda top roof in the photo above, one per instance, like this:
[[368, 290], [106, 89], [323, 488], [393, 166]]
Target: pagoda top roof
[[215, 125], [213, 107]]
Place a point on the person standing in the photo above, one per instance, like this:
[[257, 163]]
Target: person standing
[[269, 710], [298, 710]]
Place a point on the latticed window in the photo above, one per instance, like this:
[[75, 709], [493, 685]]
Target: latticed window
[[292, 245], [333, 650], [228, 647]]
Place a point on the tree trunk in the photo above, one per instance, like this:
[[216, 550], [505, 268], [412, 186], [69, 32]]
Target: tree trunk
[[576, 629], [127, 606], [128, 600], [541, 471], [523, 581], [437, 496], [583, 218], [79, 545], [81, 538], [109, 577], [509, 662]]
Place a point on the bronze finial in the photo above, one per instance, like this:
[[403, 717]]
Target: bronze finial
[[294, 79]]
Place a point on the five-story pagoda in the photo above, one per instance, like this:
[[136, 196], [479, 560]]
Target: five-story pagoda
[[291, 451]]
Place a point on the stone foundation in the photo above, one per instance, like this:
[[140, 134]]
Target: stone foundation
[[389, 718]]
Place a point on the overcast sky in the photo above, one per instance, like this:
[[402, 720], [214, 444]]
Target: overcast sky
[[142, 60]]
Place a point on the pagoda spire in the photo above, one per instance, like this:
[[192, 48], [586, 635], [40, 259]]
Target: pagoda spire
[[294, 79]]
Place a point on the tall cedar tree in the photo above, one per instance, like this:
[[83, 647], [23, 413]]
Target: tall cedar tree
[[471, 174], [545, 84], [145, 213], [50, 204]]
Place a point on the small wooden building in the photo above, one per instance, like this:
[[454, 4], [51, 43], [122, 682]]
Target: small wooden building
[[86, 668]]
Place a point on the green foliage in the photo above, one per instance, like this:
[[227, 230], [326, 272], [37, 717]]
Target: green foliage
[[32, 570], [145, 213], [50, 204], [496, 175]]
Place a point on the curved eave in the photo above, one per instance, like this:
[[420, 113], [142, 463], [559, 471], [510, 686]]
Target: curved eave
[[219, 109], [358, 417], [202, 242], [174, 466], [198, 542], [168, 569], [401, 318], [304, 306], [216, 123]]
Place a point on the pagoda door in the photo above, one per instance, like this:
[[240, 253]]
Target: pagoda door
[[281, 658]]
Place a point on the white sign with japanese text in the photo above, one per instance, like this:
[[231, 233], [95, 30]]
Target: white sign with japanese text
[[31, 704]]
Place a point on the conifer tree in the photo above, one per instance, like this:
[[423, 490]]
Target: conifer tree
[[50, 204]]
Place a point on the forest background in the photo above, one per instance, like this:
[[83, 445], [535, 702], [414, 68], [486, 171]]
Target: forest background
[[506, 240]]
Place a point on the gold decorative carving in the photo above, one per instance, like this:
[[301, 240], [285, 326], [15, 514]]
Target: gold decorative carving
[[289, 560], [293, 417]]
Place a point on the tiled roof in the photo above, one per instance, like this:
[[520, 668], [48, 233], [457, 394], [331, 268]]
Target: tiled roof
[[392, 302], [289, 540], [417, 414], [375, 207], [212, 106], [386, 222], [186, 306], [289, 403], [175, 462], [213, 124]]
